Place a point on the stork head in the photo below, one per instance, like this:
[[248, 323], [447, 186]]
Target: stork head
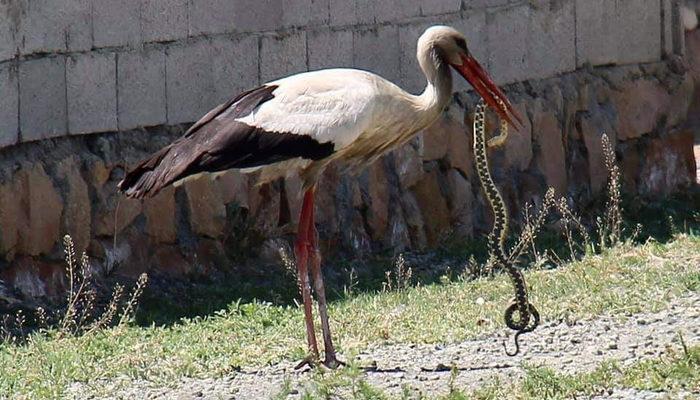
[[443, 44]]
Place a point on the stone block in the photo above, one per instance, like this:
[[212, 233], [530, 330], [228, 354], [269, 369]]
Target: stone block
[[79, 25], [342, 12], [160, 216], [518, 146], [164, 20], [667, 27], [76, 218], [639, 104], [41, 206], [596, 32], [189, 82], [392, 10], [42, 97], [435, 7], [433, 207], [282, 55], [329, 48], [258, 15], [211, 16], [9, 106], [92, 93], [207, 211], [669, 163], [639, 30], [305, 12], [507, 43], [377, 50], [527, 41], [45, 26], [116, 22], [618, 32], [9, 20], [205, 73], [551, 40], [479, 4], [219, 16], [141, 88], [234, 66], [550, 157], [379, 197], [41, 29]]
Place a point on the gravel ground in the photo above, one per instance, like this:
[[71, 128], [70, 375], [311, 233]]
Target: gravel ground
[[426, 368]]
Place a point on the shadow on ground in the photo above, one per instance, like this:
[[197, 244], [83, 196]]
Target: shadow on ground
[[166, 302]]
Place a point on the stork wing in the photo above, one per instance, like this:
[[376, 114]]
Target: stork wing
[[308, 115]]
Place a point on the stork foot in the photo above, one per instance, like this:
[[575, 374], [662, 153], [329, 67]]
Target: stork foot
[[331, 362], [310, 360]]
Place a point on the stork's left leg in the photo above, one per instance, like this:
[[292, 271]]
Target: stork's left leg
[[331, 360]]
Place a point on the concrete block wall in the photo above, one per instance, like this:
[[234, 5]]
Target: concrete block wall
[[86, 66]]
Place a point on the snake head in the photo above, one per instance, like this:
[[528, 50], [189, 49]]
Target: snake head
[[497, 141]]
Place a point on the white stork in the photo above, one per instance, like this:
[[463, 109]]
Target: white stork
[[301, 123]]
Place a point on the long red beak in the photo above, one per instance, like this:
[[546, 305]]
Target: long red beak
[[474, 73]]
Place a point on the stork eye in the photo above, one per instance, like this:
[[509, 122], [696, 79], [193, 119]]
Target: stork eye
[[461, 43]]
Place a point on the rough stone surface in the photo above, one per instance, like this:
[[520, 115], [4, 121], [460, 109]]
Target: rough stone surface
[[9, 106], [301, 13], [116, 22], [10, 218], [436, 214], [92, 93], [549, 150], [342, 12], [42, 96], [282, 55], [234, 66], [160, 216], [164, 20], [11, 12], [219, 16], [518, 146], [670, 162], [639, 105], [440, 7], [519, 37], [188, 82], [206, 208], [77, 218], [378, 192], [377, 50], [141, 88], [45, 26], [608, 31], [330, 48], [41, 207]]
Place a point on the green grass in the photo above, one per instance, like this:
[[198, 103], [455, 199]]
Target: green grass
[[621, 281]]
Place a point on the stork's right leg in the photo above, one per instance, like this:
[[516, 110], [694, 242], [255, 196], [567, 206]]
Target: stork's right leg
[[301, 250]]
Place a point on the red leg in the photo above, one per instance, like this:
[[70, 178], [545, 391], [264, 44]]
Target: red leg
[[331, 361], [301, 250]]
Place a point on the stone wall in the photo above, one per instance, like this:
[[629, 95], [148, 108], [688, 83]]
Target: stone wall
[[139, 72], [71, 67]]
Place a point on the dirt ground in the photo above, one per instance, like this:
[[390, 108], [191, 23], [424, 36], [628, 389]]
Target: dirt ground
[[426, 369]]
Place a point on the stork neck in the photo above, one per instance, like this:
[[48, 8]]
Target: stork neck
[[438, 90]]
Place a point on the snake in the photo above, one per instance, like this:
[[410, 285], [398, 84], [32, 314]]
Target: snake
[[520, 316]]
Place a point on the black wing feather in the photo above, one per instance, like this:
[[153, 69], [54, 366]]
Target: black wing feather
[[218, 142]]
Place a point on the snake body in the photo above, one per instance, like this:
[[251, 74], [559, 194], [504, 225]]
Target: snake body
[[527, 315]]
